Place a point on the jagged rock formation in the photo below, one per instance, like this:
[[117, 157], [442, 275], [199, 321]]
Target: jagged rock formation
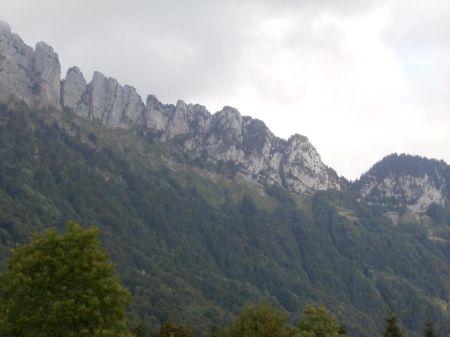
[[243, 142], [403, 181], [72, 88], [223, 138], [33, 76], [46, 76], [15, 67], [103, 100]]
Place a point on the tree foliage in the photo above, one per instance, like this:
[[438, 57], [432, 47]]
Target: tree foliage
[[193, 249], [392, 325], [259, 320], [317, 321], [62, 284]]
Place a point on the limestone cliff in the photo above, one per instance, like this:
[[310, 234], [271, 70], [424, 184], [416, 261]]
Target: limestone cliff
[[406, 182], [226, 137], [32, 76]]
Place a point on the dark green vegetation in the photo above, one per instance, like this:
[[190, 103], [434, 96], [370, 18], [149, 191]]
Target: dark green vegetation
[[193, 246], [392, 326], [429, 330], [62, 285], [259, 321], [316, 321], [262, 320], [404, 164]]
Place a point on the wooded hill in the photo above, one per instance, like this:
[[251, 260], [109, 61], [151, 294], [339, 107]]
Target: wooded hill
[[194, 242]]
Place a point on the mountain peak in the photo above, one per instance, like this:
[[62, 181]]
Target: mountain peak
[[406, 181], [27, 75], [5, 27], [34, 77], [406, 164]]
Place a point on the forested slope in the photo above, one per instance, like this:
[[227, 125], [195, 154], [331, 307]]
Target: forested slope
[[194, 242]]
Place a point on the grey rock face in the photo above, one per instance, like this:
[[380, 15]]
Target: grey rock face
[[104, 100], [223, 138], [249, 146], [414, 193], [72, 88], [47, 76], [16, 75], [230, 121], [187, 119], [179, 120], [30, 76], [156, 114], [303, 169], [411, 182]]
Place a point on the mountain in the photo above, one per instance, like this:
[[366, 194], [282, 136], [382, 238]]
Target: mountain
[[205, 212], [34, 77], [400, 182]]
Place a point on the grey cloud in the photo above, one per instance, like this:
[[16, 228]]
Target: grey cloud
[[419, 24], [172, 48], [342, 7]]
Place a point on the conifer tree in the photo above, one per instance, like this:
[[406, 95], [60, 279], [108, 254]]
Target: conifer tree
[[392, 326]]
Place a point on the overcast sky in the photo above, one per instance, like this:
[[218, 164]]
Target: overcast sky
[[360, 78]]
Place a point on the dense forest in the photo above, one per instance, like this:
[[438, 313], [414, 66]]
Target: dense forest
[[63, 284], [194, 243]]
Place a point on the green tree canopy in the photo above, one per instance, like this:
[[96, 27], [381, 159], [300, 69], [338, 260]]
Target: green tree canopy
[[317, 321], [392, 326], [62, 284], [259, 320]]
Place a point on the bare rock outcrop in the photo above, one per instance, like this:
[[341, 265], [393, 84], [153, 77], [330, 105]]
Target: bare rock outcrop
[[226, 137], [399, 182], [303, 169], [16, 63], [247, 145], [46, 76], [72, 88], [103, 100], [31, 76]]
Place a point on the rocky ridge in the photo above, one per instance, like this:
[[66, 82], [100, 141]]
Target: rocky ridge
[[226, 137], [406, 182]]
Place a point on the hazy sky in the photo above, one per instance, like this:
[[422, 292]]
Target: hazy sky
[[360, 78]]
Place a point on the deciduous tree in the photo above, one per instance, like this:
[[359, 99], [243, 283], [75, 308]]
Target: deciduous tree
[[62, 285], [317, 321], [259, 320]]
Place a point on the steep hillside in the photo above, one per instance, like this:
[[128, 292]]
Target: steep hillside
[[193, 245], [203, 212]]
